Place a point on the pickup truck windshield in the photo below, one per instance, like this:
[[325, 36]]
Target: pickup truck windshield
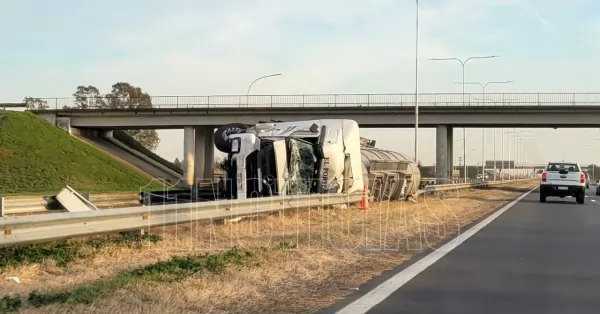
[[567, 166]]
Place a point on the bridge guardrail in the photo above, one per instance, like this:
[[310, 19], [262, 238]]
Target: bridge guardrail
[[326, 100]]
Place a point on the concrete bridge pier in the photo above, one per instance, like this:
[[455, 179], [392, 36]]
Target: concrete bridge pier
[[444, 151], [198, 154], [205, 154], [209, 153], [188, 155], [450, 154]]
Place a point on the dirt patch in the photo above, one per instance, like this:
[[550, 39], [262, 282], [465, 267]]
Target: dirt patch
[[303, 260]]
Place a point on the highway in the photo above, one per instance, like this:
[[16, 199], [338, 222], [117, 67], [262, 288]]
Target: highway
[[533, 258]]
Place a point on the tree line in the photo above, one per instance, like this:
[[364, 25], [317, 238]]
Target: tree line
[[122, 96]]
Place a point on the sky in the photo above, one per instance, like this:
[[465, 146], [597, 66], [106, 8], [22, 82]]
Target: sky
[[193, 48]]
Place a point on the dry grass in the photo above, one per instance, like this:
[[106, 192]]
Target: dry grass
[[314, 258]]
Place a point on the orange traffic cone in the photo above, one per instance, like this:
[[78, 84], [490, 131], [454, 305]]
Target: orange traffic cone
[[364, 202]]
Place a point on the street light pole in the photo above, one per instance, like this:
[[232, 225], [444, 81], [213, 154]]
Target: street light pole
[[258, 79], [483, 86], [417, 85], [462, 63]]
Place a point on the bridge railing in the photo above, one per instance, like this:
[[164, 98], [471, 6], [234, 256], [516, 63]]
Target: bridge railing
[[323, 100]]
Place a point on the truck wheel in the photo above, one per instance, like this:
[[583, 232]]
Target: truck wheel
[[542, 197], [581, 198], [221, 136]]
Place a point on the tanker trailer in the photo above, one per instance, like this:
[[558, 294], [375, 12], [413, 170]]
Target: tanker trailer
[[305, 157], [389, 175]]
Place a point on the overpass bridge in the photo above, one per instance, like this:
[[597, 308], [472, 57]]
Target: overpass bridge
[[199, 115]]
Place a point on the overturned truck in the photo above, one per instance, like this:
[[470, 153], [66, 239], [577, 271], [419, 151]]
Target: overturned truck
[[310, 157]]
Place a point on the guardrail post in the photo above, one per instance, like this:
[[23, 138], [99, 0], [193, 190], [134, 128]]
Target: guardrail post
[[1, 206], [86, 195]]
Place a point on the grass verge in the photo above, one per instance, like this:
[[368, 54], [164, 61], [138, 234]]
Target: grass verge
[[39, 158]]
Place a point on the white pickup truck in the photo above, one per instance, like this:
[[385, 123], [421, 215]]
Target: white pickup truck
[[563, 179]]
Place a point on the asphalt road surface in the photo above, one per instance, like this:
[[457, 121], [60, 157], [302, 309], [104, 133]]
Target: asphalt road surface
[[533, 258]]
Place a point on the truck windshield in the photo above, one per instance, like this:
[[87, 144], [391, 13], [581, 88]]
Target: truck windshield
[[567, 166], [301, 167]]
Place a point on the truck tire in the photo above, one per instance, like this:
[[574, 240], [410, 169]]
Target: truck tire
[[581, 198], [542, 197], [221, 136]]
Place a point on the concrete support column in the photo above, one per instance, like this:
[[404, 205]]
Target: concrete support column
[[441, 152], [188, 155], [450, 153], [201, 139], [209, 153]]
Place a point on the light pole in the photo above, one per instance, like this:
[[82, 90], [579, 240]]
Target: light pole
[[462, 63], [516, 135], [258, 79], [525, 145], [483, 86], [417, 85]]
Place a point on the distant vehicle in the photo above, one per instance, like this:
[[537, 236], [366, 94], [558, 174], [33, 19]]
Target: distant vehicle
[[563, 179], [598, 187]]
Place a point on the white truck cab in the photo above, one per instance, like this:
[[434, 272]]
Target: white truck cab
[[563, 179]]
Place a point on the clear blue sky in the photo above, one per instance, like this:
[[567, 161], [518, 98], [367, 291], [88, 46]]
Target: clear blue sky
[[353, 46]]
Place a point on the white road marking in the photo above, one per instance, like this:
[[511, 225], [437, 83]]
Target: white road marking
[[384, 290]]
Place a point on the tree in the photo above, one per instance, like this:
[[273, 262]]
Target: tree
[[178, 163], [124, 95], [89, 97], [148, 138], [35, 103], [220, 164], [127, 96]]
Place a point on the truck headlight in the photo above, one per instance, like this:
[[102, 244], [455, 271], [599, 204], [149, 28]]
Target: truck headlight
[[235, 145]]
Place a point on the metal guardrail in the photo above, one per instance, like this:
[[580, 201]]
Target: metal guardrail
[[42, 228], [14, 205], [479, 184], [326, 100]]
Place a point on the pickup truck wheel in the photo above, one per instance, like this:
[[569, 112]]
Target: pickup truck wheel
[[581, 198], [542, 197]]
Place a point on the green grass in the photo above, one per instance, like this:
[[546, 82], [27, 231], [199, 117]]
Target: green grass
[[65, 251], [172, 270], [37, 158]]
